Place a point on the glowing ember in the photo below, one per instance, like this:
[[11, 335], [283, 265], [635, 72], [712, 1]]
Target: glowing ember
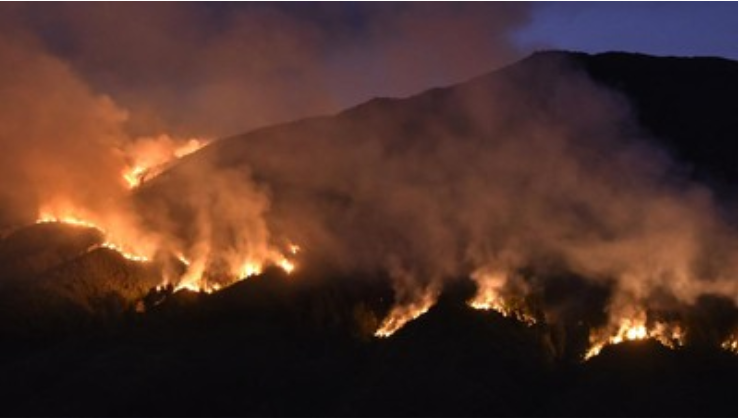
[[286, 265], [730, 344], [636, 329], [293, 248]]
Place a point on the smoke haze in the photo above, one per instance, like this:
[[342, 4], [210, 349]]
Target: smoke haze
[[211, 70], [498, 178], [536, 173]]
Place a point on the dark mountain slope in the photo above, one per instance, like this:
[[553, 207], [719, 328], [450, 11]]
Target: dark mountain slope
[[687, 104], [301, 345]]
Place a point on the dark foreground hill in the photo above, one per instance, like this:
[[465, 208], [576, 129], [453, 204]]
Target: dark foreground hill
[[269, 347], [83, 332]]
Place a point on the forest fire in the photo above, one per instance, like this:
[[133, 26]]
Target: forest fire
[[149, 157], [196, 278], [249, 269], [402, 314], [134, 176], [126, 254], [45, 218], [636, 329], [492, 294], [491, 301], [730, 344], [286, 265]]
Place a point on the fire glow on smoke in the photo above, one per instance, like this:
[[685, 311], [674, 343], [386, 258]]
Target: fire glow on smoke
[[490, 294], [491, 297], [208, 265], [402, 314], [636, 328], [109, 243], [193, 279], [148, 158]]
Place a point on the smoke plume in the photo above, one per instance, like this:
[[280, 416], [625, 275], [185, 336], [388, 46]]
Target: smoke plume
[[537, 173], [210, 70], [507, 180]]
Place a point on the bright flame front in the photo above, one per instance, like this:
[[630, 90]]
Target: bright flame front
[[491, 301], [402, 314], [149, 157], [491, 285], [109, 243], [636, 329]]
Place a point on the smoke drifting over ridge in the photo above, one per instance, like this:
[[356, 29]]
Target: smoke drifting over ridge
[[508, 181], [112, 96], [59, 138], [495, 180]]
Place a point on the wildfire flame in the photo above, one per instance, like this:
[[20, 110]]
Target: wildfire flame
[[636, 329], [184, 260], [194, 277], [126, 254], [490, 296], [491, 301], [151, 156], [134, 176], [71, 220], [286, 265], [250, 269], [730, 344], [402, 314], [47, 218]]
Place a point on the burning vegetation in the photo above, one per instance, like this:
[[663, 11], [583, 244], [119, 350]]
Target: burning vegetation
[[149, 157], [461, 182], [636, 328]]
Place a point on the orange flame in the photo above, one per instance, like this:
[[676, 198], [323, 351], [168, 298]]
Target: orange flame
[[730, 344], [134, 176], [150, 156], [194, 279], [491, 301], [46, 218], [489, 297], [286, 265], [126, 254], [636, 329], [402, 314], [72, 220]]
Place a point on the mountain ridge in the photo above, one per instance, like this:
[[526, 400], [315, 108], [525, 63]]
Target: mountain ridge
[[302, 344]]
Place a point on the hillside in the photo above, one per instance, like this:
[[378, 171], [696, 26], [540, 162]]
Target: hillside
[[84, 331]]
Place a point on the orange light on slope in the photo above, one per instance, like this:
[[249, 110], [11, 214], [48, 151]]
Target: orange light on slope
[[636, 329]]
